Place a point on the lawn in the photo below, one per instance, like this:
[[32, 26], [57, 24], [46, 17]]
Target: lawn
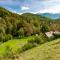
[[47, 51], [14, 44]]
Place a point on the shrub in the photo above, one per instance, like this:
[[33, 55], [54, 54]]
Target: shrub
[[27, 46], [51, 38], [44, 28], [8, 53], [36, 40], [2, 37], [39, 39], [43, 38], [56, 35], [21, 33], [7, 37]]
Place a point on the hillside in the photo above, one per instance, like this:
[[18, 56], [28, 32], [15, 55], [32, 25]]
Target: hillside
[[14, 44], [21, 34], [47, 51], [51, 15], [13, 25]]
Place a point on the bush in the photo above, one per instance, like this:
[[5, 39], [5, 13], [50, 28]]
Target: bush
[[36, 40], [27, 46], [51, 38], [21, 33], [8, 53], [39, 39], [43, 38], [56, 35], [2, 37], [7, 37], [44, 28]]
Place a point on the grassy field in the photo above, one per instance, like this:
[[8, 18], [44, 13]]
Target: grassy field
[[47, 51], [14, 44]]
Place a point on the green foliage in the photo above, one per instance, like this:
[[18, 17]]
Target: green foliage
[[2, 37], [27, 46], [27, 24], [7, 37], [8, 52], [43, 37], [44, 28], [34, 42], [56, 36], [39, 39], [47, 51], [21, 33], [52, 38], [2, 30]]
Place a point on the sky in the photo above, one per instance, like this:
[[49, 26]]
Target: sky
[[31, 6]]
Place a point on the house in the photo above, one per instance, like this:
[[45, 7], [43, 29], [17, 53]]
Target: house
[[51, 33], [57, 32]]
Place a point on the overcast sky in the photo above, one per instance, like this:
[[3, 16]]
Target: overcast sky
[[31, 6]]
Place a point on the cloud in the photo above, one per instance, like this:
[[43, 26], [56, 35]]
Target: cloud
[[53, 0], [53, 9], [33, 6], [24, 8]]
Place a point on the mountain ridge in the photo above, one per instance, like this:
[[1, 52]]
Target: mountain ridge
[[51, 15]]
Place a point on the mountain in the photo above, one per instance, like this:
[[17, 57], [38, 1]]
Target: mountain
[[51, 15], [14, 27], [17, 25], [26, 24]]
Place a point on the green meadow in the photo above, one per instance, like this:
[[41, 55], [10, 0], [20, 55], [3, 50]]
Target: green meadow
[[47, 51], [14, 44]]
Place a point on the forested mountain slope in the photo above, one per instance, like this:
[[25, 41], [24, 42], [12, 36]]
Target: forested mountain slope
[[13, 25]]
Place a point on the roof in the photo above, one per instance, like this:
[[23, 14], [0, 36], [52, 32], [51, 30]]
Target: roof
[[49, 34]]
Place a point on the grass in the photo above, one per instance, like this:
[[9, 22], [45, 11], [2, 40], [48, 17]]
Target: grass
[[14, 44], [47, 51]]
